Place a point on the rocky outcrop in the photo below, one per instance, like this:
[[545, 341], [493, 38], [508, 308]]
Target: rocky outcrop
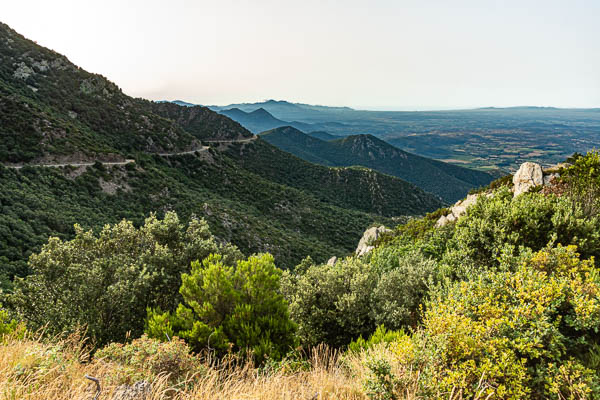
[[458, 209], [528, 176], [531, 175], [331, 262], [371, 235], [23, 71]]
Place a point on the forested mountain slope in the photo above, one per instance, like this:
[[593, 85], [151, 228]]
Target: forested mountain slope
[[356, 188], [51, 109], [52, 112], [448, 181]]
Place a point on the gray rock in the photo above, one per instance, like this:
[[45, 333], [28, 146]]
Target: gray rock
[[141, 390], [549, 178], [370, 235], [23, 71], [331, 262], [41, 65], [528, 176], [461, 206], [457, 210], [443, 220]]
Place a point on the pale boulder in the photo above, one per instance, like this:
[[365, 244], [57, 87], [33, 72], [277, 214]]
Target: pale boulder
[[371, 235], [457, 210], [528, 176]]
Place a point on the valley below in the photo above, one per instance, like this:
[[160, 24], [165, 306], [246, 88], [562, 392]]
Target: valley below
[[487, 139]]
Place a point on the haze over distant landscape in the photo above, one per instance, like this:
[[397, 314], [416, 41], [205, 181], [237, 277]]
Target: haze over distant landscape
[[369, 55]]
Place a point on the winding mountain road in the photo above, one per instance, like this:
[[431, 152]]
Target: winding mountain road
[[130, 161], [203, 148], [83, 164]]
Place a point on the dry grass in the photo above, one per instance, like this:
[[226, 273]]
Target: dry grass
[[32, 368], [35, 369]]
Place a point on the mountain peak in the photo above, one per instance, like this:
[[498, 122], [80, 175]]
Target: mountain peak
[[285, 131], [261, 112]]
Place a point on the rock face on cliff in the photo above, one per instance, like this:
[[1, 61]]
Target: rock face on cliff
[[366, 242]]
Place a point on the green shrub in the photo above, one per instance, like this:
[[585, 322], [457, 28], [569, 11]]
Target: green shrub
[[230, 308], [381, 384], [105, 282], [337, 304], [583, 182], [402, 288], [10, 326], [502, 226], [332, 304]]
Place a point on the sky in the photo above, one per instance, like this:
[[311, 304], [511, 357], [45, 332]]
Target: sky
[[377, 54]]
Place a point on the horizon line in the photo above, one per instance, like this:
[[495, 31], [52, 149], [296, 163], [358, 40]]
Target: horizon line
[[386, 108]]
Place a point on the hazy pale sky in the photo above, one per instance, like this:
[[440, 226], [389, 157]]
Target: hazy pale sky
[[375, 54]]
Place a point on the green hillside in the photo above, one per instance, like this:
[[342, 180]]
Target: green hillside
[[54, 112], [450, 182], [322, 135], [52, 109], [355, 187]]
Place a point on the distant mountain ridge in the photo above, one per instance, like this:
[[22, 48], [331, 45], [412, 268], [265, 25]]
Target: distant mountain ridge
[[288, 111], [448, 181], [260, 120], [492, 139], [323, 135], [182, 103]]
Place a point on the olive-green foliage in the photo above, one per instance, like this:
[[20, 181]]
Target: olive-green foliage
[[403, 288], [337, 304], [332, 304], [503, 226], [496, 228], [583, 182], [226, 305], [105, 282], [513, 335]]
